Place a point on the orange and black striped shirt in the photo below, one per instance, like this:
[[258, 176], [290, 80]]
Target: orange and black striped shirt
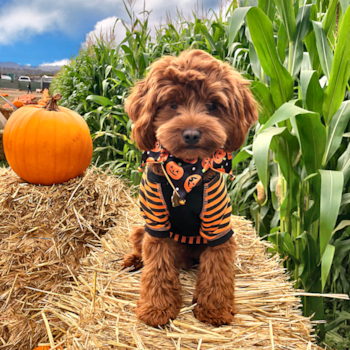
[[205, 218]]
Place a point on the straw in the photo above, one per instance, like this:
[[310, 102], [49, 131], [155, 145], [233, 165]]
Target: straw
[[268, 309], [61, 279], [42, 243]]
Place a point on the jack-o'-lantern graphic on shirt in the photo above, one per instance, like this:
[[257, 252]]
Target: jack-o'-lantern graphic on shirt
[[191, 182], [163, 156], [207, 163], [174, 170], [219, 155], [185, 174]]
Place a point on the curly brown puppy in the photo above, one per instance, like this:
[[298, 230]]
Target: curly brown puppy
[[189, 114]]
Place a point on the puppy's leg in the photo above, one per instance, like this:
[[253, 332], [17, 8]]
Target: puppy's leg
[[214, 292], [160, 298], [135, 258]]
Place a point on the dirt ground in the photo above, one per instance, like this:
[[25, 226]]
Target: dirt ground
[[12, 94]]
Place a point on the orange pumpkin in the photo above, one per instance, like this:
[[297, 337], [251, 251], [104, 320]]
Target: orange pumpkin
[[191, 182], [174, 170], [47, 145], [18, 104]]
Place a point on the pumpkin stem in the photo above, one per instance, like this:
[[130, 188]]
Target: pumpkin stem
[[52, 104]]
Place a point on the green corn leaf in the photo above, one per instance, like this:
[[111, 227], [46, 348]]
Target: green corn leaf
[[286, 111], [103, 101], [340, 72], [336, 129], [324, 51], [282, 42], [288, 246], [328, 22], [268, 6], [311, 91], [331, 195], [344, 164], [343, 224], [119, 74], [288, 149], [344, 5], [263, 96], [240, 157], [234, 24], [208, 38], [311, 134], [108, 70], [261, 150], [326, 263], [310, 43], [261, 31], [254, 61], [285, 8], [302, 23]]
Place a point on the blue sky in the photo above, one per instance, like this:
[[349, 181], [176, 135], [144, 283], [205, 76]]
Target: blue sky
[[35, 32]]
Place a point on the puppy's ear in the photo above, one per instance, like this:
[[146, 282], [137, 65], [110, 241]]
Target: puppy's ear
[[140, 108], [243, 110]]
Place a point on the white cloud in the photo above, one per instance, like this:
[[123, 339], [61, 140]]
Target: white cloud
[[19, 19], [65, 61], [23, 19], [104, 29]]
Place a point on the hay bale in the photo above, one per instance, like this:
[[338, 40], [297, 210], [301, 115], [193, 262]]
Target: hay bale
[[2, 151], [68, 289], [6, 112], [45, 232], [99, 310]]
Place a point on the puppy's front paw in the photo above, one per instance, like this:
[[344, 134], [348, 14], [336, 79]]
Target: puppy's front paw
[[132, 260], [215, 317], [153, 316]]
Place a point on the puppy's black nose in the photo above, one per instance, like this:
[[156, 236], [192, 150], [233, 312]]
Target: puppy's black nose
[[191, 136]]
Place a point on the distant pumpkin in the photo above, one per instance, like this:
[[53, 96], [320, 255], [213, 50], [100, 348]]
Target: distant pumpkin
[[18, 104], [47, 145]]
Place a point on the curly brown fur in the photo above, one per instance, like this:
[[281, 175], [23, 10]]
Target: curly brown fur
[[214, 293], [160, 298], [193, 91], [135, 258]]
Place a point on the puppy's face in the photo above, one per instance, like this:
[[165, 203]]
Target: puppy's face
[[193, 105]]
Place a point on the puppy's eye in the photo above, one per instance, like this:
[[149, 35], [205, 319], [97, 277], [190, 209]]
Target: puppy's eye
[[211, 106], [173, 105]]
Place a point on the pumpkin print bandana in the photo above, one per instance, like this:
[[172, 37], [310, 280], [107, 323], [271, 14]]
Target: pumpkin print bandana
[[184, 174]]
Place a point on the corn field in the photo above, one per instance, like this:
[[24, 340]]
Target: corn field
[[293, 171]]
